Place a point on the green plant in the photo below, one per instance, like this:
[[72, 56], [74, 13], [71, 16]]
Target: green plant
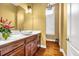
[[5, 28]]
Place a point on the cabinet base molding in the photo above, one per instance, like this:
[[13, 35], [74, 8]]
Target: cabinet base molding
[[62, 51], [43, 46]]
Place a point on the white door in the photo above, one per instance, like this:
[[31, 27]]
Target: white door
[[73, 30]]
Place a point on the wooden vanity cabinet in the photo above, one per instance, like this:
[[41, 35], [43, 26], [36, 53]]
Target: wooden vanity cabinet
[[23, 47], [32, 45]]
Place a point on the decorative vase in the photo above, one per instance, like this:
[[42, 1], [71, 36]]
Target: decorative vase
[[1, 38], [4, 36]]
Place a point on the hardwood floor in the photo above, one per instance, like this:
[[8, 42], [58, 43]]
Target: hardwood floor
[[51, 50]]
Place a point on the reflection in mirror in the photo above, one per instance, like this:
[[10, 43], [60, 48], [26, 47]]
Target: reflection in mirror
[[28, 20]]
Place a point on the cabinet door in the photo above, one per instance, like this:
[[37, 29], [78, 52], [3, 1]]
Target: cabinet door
[[17, 52], [28, 49], [0, 53], [33, 47]]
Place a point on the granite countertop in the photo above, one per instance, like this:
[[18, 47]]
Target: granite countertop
[[18, 36]]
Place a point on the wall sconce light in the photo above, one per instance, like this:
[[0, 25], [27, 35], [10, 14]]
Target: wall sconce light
[[29, 9]]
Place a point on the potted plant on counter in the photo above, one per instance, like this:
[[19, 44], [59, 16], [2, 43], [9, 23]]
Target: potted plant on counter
[[5, 28]]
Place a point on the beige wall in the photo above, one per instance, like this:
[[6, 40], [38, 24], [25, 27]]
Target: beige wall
[[28, 24], [63, 27], [39, 20], [8, 11], [57, 20], [20, 17]]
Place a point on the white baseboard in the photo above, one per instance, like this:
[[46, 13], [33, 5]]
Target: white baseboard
[[43, 46], [62, 51], [51, 40]]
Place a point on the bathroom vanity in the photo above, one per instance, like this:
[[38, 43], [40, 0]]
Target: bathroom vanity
[[21, 45]]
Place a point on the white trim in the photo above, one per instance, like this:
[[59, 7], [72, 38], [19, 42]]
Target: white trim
[[62, 50], [59, 43], [51, 40], [43, 46]]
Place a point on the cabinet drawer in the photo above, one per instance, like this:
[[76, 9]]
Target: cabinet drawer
[[31, 38], [16, 52], [11, 46]]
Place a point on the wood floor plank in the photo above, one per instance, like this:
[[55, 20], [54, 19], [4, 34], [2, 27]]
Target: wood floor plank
[[52, 49]]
